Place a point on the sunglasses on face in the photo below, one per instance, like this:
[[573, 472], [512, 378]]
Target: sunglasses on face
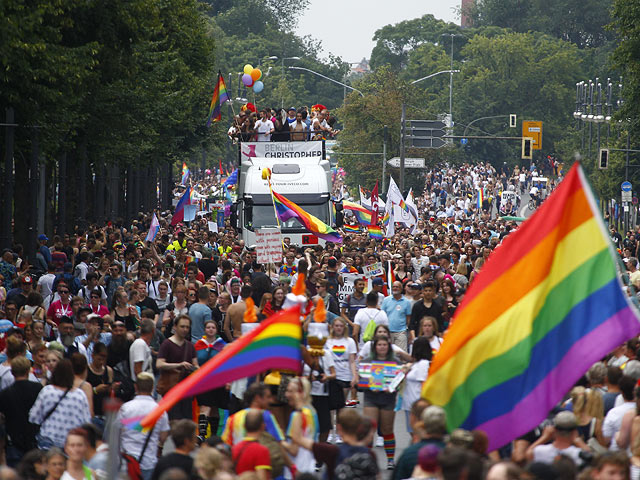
[[62, 292]]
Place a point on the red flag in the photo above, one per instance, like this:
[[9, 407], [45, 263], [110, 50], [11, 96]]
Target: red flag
[[220, 164], [374, 205]]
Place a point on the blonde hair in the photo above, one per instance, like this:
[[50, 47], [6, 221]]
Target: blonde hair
[[345, 332], [208, 461], [587, 401]]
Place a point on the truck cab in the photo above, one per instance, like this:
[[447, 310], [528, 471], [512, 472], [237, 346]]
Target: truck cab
[[303, 179]]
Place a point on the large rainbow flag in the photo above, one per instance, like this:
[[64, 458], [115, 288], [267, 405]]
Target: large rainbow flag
[[220, 95], [274, 344], [546, 306], [286, 209], [178, 215], [362, 214], [185, 174]]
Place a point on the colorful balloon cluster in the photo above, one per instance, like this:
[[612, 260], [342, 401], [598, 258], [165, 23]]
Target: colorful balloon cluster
[[251, 78]]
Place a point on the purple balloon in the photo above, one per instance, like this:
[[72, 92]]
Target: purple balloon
[[247, 80]]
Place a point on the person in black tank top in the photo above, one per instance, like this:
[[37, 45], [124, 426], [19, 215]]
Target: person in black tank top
[[100, 377]]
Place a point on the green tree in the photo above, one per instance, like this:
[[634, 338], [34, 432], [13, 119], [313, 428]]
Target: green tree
[[577, 21]]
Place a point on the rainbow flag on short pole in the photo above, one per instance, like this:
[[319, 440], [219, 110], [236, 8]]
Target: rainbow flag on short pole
[[286, 209], [274, 344], [480, 199], [375, 232], [362, 214], [546, 306], [220, 96], [351, 228]]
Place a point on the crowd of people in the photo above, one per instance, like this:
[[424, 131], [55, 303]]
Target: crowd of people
[[280, 125], [114, 322]]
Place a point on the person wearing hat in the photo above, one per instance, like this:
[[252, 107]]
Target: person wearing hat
[[434, 421], [291, 115], [564, 438], [43, 249], [21, 292]]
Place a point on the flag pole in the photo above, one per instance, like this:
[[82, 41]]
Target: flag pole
[[266, 174]]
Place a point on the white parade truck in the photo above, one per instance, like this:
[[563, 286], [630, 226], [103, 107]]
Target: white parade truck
[[299, 171]]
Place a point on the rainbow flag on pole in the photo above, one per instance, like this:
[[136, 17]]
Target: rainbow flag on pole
[[546, 306], [178, 215], [362, 214], [220, 95], [351, 228], [274, 344], [286, 209], [480, 198], [375, 232], [185, 174]]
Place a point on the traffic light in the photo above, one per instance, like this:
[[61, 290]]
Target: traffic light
[[513, 120], [603, 159], [527, 148]]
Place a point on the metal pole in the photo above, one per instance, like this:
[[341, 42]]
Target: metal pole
[[33, 185], [403, 120], [62, 193], [385, 133], [451, 86], [6, 237]]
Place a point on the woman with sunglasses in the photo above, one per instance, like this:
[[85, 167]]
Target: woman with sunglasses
[[94, 304], [60, 308]]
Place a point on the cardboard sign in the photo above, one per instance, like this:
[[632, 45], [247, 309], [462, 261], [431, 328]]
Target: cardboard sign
[[374, 270], [347, 287], [213, 227], [268, 245]]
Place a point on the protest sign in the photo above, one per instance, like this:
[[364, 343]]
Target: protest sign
[[268, 245]]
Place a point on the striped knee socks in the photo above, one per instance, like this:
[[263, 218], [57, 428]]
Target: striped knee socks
[[389, 445]]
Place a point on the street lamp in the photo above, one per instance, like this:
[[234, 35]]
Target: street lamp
[[327, 78], [452, 35], [434, 74], [287, 58]]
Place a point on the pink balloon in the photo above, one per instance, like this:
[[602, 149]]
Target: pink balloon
[[247, 80]]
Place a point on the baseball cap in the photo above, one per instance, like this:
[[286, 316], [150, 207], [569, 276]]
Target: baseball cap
[[415, 285], [235, 280], [291, 108], [42, 236], [28, 279], [378, 281]]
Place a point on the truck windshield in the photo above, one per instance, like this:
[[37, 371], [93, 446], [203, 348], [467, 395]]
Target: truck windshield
[[264, 216]]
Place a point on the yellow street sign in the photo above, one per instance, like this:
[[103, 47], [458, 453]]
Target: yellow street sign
[[533, 129]]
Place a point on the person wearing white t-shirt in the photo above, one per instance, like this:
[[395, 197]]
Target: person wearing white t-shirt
[[264, 127], [343, 351], [416, 375], [139, 352], [564, 434], [365, 315]]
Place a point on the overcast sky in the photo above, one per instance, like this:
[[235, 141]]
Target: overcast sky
[[346, 27]]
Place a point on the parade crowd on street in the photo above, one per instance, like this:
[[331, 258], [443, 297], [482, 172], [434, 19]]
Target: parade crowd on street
[[106, 318]]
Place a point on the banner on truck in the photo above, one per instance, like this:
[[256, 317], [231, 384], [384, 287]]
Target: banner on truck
[[281, 150]]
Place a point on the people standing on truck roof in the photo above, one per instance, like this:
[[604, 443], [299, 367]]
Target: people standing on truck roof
[[264, 127]]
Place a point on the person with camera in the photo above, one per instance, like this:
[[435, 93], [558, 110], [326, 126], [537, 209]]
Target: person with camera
[[561, 438]]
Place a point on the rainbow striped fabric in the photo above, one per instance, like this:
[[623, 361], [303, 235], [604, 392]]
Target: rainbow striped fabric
[[234, 431], [545, 307], [286, 209], [178, 215], [274, 344], [220, 95], [362, 214], [351, 228], [480, 198], [375, 232], [185, 174]]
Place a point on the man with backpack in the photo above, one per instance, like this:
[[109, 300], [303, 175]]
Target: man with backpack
[[367, 319]]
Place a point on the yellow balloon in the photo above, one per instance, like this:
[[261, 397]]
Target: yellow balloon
[[248, 69]]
